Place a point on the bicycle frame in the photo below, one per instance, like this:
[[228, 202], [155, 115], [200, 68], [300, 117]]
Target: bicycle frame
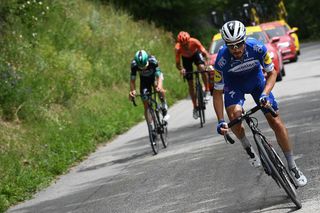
[[199, 96], [153, 116], [152, 101]]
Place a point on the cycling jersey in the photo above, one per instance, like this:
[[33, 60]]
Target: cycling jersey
[[243, 76], [147, 76], [194, 46], [151, 70]]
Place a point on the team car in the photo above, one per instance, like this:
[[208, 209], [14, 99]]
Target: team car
[[275, 30], [294, 34]]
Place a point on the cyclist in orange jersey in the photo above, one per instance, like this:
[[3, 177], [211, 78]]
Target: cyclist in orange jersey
[[191, 51]]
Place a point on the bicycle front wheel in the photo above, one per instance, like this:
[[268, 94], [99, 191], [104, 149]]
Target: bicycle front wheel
[[285, 175], [201, 104], [162, 128], [272, 162], [152, 129], [164, 134]]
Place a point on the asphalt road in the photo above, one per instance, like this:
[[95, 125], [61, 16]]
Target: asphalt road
[[198, 172]]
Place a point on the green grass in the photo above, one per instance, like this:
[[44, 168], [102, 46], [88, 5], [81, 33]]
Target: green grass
[[64, 81]]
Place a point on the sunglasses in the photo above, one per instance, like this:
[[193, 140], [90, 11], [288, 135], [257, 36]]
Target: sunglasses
[[235, 46]]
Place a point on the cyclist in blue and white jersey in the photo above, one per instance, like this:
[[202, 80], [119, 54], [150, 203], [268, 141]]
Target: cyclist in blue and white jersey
[[238, 72]]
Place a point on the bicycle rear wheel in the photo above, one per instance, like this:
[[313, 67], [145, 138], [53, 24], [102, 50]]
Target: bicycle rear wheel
[[201, 104], [277, 170], [152, 128]]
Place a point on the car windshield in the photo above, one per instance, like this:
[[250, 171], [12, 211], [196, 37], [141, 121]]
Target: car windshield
[[215, 46], [259, 36], [286, 28], [278, 31]]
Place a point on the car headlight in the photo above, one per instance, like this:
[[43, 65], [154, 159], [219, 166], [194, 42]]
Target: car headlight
[[284, 44]]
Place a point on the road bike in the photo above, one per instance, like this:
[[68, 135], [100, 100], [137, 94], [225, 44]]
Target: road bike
[[157, 126], [201, 104], [271, 162]]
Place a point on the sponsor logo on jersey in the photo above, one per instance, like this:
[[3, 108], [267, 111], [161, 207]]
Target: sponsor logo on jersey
[[249, 59], [232, 93], [244, 67], [258, 48], [222, 62], [217, 76], [267, 59]]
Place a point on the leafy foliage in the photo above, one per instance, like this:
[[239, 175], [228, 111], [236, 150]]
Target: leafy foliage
[[195, 16], [188, 15], [306, 17], [64, 75]]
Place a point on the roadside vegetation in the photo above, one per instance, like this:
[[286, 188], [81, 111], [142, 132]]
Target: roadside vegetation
[[64, 81]]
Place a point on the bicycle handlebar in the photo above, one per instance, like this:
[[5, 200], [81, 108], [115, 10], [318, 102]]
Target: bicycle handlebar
[[139, 95], [250, 112], [245, 115], [227, 137]]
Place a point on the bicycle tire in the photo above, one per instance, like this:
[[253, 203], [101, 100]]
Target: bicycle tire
[[268, 156], [164, 134], [162, 128], [203, 113], [203, 107], [284, 174], [152, 129], [200, 104]]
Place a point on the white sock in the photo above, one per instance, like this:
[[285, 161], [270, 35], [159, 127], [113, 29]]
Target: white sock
[[290, 160]]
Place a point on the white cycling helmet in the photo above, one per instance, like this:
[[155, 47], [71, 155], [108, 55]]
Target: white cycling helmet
[[233, 32]]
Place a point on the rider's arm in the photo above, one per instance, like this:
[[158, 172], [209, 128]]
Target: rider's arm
[[271, 73], [205, 53], [178, 62], [217, 94], [201, 48], [218, 103], [159, 78], [132, 92], [132, 84], [133, 75], [271, 80]]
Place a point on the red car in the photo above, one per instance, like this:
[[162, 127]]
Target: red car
[[286, 44], [257, 33], [271, 44]]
